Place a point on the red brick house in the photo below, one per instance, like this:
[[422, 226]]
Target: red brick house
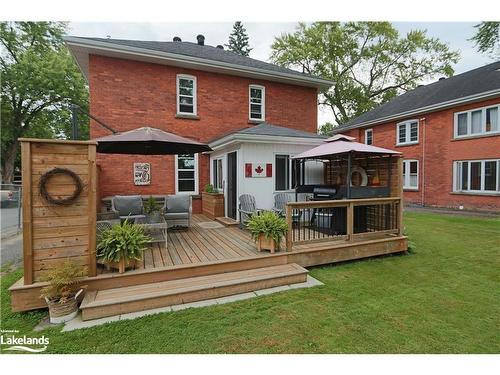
[[449, 133], [204, 93]]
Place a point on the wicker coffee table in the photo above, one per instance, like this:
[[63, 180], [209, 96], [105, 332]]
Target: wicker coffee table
[[157, 231]]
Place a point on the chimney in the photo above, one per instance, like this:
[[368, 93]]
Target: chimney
[[442, 78], [220, 46], [177, 39], [201, 40]]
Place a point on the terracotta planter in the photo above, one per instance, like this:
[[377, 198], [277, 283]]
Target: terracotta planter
[[212, 204], [264, 243], [63, 312]]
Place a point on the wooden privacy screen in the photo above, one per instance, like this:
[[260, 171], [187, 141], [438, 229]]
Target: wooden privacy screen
[[53, 233]]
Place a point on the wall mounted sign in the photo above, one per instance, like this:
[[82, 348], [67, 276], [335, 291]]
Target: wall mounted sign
[[142, 174], [258, 170]]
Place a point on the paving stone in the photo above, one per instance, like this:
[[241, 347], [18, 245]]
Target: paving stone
[[276, 289], [208, 302], [140, 314], [236, 297], [78, 323], [311, 281]]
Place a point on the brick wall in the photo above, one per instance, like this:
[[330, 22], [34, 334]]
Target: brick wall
[[129, 94], [440, 152]]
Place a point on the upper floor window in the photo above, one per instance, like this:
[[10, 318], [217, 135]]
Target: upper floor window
[[186, 94], [407, 132], [369, 136], [257, 102], [481, 176], [410, 174], [186, 173], [478, 121]]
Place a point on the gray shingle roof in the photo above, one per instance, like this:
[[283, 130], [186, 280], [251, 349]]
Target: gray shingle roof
[[265, 128], [473, 82], [204, 52]]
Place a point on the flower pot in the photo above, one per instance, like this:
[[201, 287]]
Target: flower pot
[[121, 265], [63, 312], [212, 204], [153, 217], [264, 243]]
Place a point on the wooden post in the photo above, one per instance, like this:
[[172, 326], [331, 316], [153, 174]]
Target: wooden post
[[92, 206], [350, 222], [400, 195], [289, 233], [27, 229]]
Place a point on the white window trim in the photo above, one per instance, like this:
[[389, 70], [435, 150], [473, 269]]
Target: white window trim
[[196, 189], [406, 179], [457, 177], [195, 101], [263, 104], [408, 132], [469, 122], [366, 137], [212, 172]]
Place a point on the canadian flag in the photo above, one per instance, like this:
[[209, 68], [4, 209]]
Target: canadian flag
[[258, 170]]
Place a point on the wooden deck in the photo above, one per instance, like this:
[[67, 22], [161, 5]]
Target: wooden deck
[[207, 248], [198, 244]]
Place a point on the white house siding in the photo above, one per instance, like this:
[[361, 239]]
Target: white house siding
[[263, 188]]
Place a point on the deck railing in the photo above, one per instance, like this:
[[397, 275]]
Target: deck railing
[[342, 220]]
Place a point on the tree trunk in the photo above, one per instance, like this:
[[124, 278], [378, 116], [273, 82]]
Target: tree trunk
[[9, 161]]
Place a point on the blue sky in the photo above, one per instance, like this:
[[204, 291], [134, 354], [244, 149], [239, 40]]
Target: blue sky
[[262, 34]]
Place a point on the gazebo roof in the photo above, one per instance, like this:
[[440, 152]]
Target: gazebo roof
[[342, 144]]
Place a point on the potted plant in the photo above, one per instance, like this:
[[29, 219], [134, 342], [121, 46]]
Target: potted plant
[[121, 245], [212, 202], [152, 210], [267, 229], [62, 291]]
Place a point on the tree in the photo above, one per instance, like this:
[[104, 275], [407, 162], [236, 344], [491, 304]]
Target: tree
[[487, 38], [369, 62], [238, 40], [326, 128], [39, 81]]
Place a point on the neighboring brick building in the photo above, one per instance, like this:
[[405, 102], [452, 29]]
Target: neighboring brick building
[[449, 134], [190, 89]]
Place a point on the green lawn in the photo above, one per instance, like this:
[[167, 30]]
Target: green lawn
[[442, 298]]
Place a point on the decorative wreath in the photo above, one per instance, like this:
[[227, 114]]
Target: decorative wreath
[[60, 201]]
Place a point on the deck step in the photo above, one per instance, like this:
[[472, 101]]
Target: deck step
[[109, 302], [227, 221]]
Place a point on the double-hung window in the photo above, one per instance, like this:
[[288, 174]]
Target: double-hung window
[[476, 176], [479, 121], [369, 136], [186, 95], [186, 173], [217, 174], [407, 133], [410, 174], [257, 103]]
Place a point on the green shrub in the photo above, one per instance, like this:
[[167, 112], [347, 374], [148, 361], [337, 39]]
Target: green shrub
[[121, 241], [209, 188], [151, 206], [63, 282], [269, 224]]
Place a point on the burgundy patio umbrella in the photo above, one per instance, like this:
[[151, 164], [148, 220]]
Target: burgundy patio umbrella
[[148, 141]]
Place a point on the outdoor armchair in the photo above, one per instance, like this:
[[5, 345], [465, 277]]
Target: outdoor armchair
[[280, 201], [247, 208], [178, 210], [128, 206]]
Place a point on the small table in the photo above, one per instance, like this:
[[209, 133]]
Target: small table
[[157, 231]]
